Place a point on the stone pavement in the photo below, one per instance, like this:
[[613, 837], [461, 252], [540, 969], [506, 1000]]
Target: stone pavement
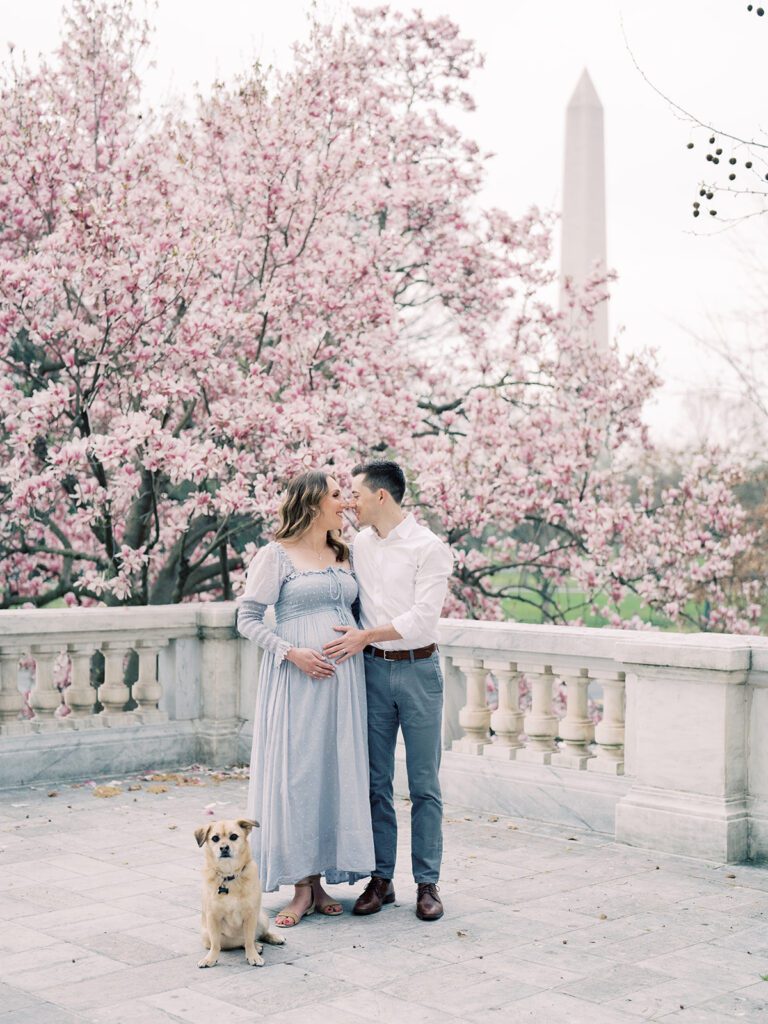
[[99, 922]]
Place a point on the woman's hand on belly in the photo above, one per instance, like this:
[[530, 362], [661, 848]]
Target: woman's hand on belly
[[313, 663]]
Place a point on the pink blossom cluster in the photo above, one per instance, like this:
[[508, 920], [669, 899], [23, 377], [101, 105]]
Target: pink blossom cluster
[[195, 306]]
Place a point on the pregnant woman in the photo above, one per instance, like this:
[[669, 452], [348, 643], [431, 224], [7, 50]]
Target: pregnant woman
[[309, 765]]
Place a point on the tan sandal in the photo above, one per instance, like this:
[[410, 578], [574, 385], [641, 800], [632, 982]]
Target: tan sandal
[[331, 909], [295, 918]]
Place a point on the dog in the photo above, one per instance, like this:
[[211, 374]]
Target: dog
[[232, 914]]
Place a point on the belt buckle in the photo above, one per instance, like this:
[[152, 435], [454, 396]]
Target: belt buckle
[[386, 655]]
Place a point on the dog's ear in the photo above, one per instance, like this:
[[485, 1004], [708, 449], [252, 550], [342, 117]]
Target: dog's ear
[[246, 824], [202, 833]]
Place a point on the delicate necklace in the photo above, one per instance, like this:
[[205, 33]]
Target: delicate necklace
[[317, 554]]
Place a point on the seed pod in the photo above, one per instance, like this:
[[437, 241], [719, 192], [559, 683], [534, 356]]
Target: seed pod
[[695, 213], [732, 160], [689, 146], [713, 213], [718, 152], [748, 164]]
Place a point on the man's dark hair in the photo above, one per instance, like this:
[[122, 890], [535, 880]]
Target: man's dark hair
[[382, 474]]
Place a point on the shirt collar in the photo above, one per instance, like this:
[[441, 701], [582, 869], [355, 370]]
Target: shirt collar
[[402, 529]]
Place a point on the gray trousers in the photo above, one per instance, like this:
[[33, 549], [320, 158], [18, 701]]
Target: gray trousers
[[408, 695]]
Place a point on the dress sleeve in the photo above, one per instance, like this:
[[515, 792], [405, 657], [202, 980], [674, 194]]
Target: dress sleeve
[[262, 588]]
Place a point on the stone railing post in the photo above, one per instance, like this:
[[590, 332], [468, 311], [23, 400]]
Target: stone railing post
[[686, 746], [147, 690], [11, 700], [507, 719], [540, 723], [45, 696], [475, 716], [609, 731], [113, 692], [220, 722], [80, 695], [576, 729]]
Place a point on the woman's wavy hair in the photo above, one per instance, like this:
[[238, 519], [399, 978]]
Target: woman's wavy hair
[[301, 505]]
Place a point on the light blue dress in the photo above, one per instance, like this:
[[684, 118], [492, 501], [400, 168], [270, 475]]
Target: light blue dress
[[309, 764]]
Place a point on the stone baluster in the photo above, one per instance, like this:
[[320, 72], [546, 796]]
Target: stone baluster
[[540, 723], [576, 729], [609, 733], [113, 692], [147, 690], [507, 719], [11, 700], [80, 695], [475, 716], [45, 697]]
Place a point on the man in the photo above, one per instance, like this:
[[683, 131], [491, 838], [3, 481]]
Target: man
[[402, 571]]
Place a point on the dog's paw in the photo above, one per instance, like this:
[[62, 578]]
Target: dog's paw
[[273, 939], [207, 962], [255, 960]]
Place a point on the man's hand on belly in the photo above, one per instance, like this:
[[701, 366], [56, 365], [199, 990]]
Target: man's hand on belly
[[351, 643]]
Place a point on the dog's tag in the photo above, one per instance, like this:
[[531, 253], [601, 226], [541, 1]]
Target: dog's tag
[[223, 890]]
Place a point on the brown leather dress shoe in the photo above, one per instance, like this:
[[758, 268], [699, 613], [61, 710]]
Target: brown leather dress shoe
[[429, 906], [378, 892]]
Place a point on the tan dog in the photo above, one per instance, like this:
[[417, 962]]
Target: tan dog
[[232, 914]]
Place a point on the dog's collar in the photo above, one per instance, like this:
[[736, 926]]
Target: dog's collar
[[223, 890]]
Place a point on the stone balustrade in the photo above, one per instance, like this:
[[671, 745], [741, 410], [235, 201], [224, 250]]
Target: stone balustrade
[[540, 736], [90, 649], [147, 688], [656, 738]]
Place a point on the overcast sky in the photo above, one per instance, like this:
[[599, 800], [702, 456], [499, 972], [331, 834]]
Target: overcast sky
[[675, 273]]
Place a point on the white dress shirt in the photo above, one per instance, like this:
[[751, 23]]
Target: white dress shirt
[[403, 580]]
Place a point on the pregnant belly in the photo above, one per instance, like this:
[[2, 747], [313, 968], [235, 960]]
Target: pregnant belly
[[314, 628]]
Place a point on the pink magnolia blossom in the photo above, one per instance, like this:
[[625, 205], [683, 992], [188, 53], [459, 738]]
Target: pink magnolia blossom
[[195, 308]]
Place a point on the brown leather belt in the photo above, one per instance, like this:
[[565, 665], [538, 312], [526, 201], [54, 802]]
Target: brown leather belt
[[417, 655]]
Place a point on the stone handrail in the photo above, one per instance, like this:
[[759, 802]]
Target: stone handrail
[[684, 716], [47, 636], [676, 759], [176, 676], [540, 656]]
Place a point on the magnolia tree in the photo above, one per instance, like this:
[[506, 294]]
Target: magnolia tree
[[196, 305]]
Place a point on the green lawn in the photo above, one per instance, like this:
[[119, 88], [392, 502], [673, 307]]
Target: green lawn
[[571, 599]]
